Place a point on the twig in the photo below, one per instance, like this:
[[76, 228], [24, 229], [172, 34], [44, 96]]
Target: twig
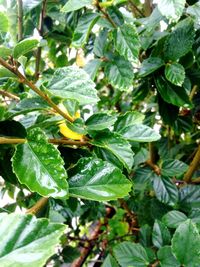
[[154, 167], [24, 80], [193, 92], [39, 205], [62, 141], [193, 166], [129, 212], [41, 31], [156, 263], [196, 180], [20, 19], [7, 94], [151, 153], [106, 15], [136, 8], [147, 7]]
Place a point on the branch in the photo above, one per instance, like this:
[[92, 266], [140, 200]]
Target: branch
[[39, 205], [193, 166], [106, 15], [62, 141], [7, 94], [24, 80], [20, 19], [153, 166], [41, 31], [136, 8], [147, 7], [193, 92]]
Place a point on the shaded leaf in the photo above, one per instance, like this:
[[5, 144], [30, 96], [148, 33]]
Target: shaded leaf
[[110, 262], [97, 180], [189, 197], [92, 67], [160, 235], [5, 51], [39, 166], [173, 167], [24, 47], [167, 258], [131, 254], [150, 65], [174, 218], [175, 73], [73, 82], [28, 241]]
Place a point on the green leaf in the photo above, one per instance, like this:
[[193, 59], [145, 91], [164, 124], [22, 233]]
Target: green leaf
[[160, 235], [150, 65], [82, 31], [29, 5], [92, 67], [175, 73], [73, 5], [174, 218], [131, 254], [172, 94], [25, 46], [127, 119], [5, 51], [127, 42], [171, 9], [71, 106], [189, 197], [117, 145], [182, 38], [100, 43], [28, 241], [194, 10], [100, 121], [186, 243], [173, 167], [167, 258], [39, 166], [97, 180], [5, 73], [119, 73], [139, 133], [73, 82], [110, 262], [3, 23], [165, 190]]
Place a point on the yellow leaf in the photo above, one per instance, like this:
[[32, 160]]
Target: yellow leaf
[[65, 131]]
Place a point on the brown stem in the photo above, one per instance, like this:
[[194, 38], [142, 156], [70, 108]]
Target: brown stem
[[151, 153], [193, 166], [41, 31], [193, 92], [55, 141], [153, 166], [7, 94], [39, 205], [106, 15], [23, 79], [136, 8], [20, 19], [129, 212], [147, 7], [156, 263]]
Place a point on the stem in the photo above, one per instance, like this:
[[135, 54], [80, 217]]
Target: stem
[[196, 180], [23, 79], [20, 19], [136, 8], [193, 166], [41, 31], [55, 141], [193, 92], [152, 153], [39, 205], [155, 168], [147, 7], [106, 15], [7, 94]]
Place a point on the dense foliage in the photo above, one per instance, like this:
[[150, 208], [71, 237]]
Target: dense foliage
[[99, 133]]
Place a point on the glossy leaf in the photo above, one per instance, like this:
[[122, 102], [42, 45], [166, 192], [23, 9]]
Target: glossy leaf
[[127, 119], [172, 94], [127, 41], [175, 73], [39, 166], [172, 9], [139, 133], [131, 254], [182, 38], [73, 5], [117, 145], [189, 197], [165, 190], [160, 235], [174, 218], [73, 82], [119, 73], [100, 121], [185, 244], [150, 65], [92, 67], [25, 46], [110, 262], [167, 258], [173, 167], [82, 31], [94, 179], [3, 23], [28, 241]]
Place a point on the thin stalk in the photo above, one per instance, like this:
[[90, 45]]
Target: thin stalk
[[9, 95], [136, 8], [39, 205], [106, 15], [147, 7], [24, 80], [193, 166], [20, 19]]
